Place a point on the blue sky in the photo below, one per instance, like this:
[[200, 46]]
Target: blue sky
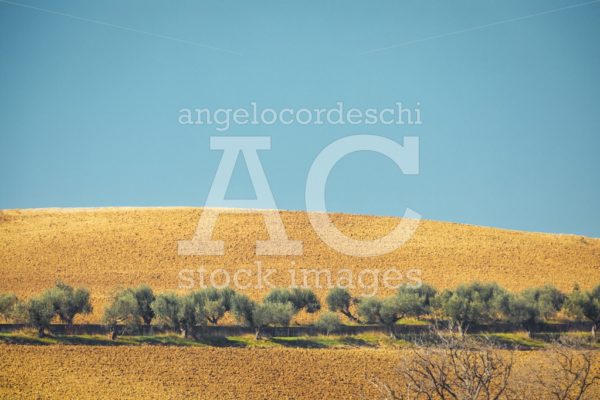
[[90, 94]]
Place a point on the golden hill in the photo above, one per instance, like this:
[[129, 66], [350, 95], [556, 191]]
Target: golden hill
[[110, 247]]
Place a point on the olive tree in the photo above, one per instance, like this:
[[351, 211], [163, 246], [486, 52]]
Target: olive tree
[[339, 300], [123, 309], [475, 303], [258, 316], [272, 314], [8, 305], [532, 305], [328, 322], [68, 302], [387, 312], [417, 301], [181, 313], [547, 299], [586, 304], [299, 298], [243, 310], [523, 311], [408, 302], [193, 313], [144, 296], [216, 303], [40, 312], [168, 308]]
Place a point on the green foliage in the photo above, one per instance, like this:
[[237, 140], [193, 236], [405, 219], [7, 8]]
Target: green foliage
[[475, 303], [196, 308], [168, 310], [415, 302], [181, 312], [390, 310], [299, 298], [339, 300], [273, 314], [144, 296], [523, 310], [123, 309], [8, 306], [328, 322], [68, 302], [214, 311], [547, 299], [243, 310], [259, 316], [369, 308], [216, 302], [304, 298], [40, 312], [193, 312], [532, 305], [408, 302], [585, 304]]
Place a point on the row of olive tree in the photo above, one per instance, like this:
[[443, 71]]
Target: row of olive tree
[[135, 308], [467, 305], [61, 302], [462, 307]]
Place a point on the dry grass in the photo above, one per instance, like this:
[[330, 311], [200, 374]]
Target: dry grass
[[105, 248], [171, 372], [153, 372]]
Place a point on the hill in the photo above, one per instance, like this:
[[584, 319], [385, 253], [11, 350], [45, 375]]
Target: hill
[[110, 247]]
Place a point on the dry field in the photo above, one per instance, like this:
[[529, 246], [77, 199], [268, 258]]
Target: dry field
[[86, 372], [105, 248]]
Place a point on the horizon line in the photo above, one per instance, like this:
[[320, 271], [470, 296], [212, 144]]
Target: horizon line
[[258, 210]]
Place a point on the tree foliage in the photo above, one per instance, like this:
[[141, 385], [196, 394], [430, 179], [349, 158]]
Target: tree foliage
[[123, 309], [475, 303], [586, 304], [328, 322], [216, 302], [40, 312], [168, 310], [299, 298], [258, 316], [339, 300], [8, 306], [68, 302], [532, 305], [408, 302], [144, 296]]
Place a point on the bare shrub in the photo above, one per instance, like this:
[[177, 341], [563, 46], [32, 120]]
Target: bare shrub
[[571, 374], [458, 369]]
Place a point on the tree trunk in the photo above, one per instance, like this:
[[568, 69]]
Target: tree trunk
[[147, 330], [350, 316], [185, 332], [70, 326], [392, 332], [462, 330], [41, 332], [595, 329], [258, 333], [113, 333]]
